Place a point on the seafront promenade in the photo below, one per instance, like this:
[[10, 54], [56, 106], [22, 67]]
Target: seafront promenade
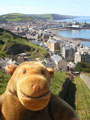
[[55, 32], [74, 40]]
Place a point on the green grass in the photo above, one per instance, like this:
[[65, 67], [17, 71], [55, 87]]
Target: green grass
[[3, 81], [57, 82], [16, 17], [43, 16], [50, 16], [82, 99], [88, 74], [82, 96], [10, 38]]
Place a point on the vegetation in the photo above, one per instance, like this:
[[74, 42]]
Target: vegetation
[[3, 81], [82, 99], [15, 17], [83, 67], [88, 74], [51, 16], [77, 89], [42, 16], [57, 82], [9, 40], [78, 94]]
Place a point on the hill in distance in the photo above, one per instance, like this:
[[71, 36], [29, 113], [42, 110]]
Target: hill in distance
[[11, 44], [17, 17], [51, 16]]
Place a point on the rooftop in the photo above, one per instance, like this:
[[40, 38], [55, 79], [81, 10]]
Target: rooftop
[[56, 58]]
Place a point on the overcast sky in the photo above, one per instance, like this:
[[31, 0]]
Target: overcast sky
[[64, 7]]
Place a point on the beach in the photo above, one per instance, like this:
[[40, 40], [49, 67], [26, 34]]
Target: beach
[[74, 40]]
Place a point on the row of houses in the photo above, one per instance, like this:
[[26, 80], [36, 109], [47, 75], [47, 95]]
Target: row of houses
[[55, 61], [82, 55], [69, 51]]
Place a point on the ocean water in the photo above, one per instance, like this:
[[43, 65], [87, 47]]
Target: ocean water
[[79, 19], [86, 43], [82, 33]]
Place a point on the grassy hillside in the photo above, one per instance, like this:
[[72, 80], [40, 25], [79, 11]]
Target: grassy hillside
[[3, 81], [77, 91], [29, 17], [11, 44], [42, 16], [78, 94], [82, 99], [15, 17], [56, 82], [51, 16]]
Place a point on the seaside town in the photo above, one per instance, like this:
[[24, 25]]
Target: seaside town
[[44, 60], [64, 53]]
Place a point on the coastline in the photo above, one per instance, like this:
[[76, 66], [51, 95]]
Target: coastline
[[74, 40]]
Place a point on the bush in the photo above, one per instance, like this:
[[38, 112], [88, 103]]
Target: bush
[[83, 67], [3, 81]]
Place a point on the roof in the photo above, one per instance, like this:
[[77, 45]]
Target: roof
[[49, 62], [56, 58], [53, 41], [67, 47], [71, 64]]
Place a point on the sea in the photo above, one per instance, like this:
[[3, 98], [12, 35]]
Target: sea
[[78, 19], [80, 33]]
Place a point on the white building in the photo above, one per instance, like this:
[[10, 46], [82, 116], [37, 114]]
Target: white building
[[82, 57]]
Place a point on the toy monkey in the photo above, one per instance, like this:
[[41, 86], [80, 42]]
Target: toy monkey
[[28, 97]]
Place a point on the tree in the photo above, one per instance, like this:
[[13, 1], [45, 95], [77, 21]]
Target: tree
[[83, 67]]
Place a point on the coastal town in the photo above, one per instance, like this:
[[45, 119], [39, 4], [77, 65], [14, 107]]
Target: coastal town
[[44, 60], [64, 53]]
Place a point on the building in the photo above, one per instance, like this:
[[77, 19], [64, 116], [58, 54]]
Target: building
[[70, 66], [53, 45], [82, 57], [74, 24], [85, 57], [49, 62], [62, 65], [68, 53], [82, 54], [56, 58], [77, 57]]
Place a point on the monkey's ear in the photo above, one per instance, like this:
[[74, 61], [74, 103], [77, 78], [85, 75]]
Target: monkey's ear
[[51, 72], [10, 69]]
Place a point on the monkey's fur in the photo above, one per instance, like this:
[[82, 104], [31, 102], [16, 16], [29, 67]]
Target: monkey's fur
[[28, 97]]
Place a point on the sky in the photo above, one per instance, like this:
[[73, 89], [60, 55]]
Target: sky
[[63, 7]]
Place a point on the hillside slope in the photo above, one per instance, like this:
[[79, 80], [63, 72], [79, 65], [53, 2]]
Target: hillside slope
[[51, 16], [11, 44], [78, 92], [15, 17]]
